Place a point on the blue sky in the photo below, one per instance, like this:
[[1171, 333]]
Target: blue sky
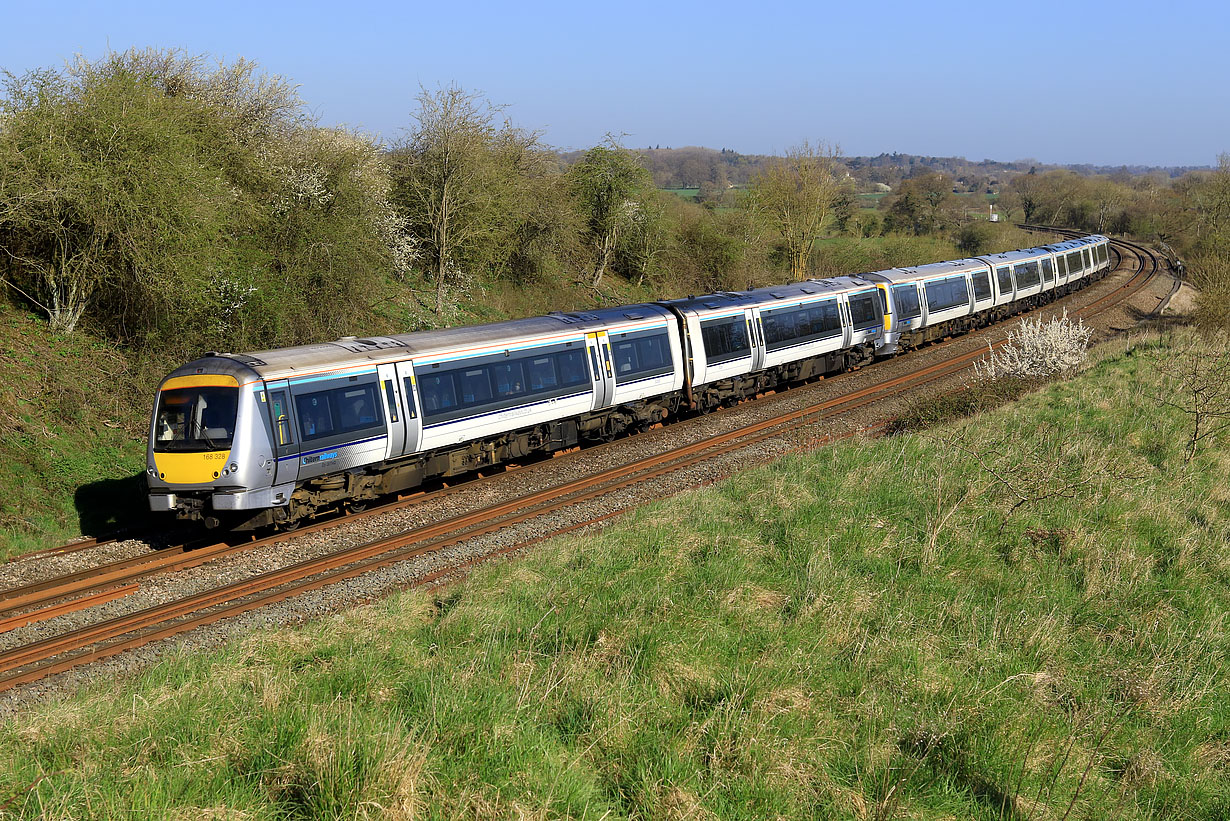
[[1048, 80]]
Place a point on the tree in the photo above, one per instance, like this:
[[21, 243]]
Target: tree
[[795, 195], [611, 186], [453, 174], [922, 204]]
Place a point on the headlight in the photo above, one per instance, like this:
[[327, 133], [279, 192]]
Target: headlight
[[151, 471], [234, 468], [225, 472]]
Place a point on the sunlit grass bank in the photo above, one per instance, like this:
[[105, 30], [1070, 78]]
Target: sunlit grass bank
[[874, 629]]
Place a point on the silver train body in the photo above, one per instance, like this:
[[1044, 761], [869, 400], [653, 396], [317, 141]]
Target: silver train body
[[274, 437]]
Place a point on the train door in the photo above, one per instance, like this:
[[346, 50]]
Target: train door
[[390, 396], [604, 374], [755, 334], [285, 442], [406, 387]]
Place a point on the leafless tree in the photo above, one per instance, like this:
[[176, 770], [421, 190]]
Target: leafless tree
[[795, 194]]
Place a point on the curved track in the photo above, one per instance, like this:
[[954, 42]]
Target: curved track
[[53, 597]]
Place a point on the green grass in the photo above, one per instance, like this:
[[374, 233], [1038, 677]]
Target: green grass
[[72, 434], [864, 631]]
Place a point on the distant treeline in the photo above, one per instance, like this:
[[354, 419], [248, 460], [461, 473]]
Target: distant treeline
[[170, 202]]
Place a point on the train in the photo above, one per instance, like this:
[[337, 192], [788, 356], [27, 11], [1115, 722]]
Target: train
[[276, 437]]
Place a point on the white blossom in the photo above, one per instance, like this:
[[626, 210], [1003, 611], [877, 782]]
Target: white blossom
[[1038, 348]]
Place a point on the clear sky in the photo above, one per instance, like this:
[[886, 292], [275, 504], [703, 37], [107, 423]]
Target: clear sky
[[1001, 80]]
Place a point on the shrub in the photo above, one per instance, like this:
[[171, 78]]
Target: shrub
[[1038, 349]]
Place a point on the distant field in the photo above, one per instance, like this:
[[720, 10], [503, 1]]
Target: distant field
[[871, 630]]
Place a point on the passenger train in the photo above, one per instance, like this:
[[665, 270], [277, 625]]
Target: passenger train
[[275, 437]]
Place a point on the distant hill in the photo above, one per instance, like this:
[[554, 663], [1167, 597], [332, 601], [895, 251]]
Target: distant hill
[[700, 167]]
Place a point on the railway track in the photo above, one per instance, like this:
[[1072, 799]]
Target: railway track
[[85, 589]]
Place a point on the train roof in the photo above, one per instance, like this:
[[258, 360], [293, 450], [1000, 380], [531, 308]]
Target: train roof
[[350, 351], [724, 300], [931, 269]]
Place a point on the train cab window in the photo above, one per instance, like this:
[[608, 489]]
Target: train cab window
[[1048, 272], [865, 310], [906, 297], [982, 285], [943, 294], [1003, 275], [725, 339], [1027, 274], [1074, 262], [195, 419]]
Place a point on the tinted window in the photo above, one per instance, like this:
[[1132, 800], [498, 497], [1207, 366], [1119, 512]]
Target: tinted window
[[507, 383], [725, 339], [1004, 277], [439, 393], [390, 400], [982, 285], [865, 311], [784, 327], [411, 407], [907, 301], [640, 357], [1088, 262], [1074, 262], [338, 410], [1048, 273], [1027, 275], [1062, 263], [943, 294]]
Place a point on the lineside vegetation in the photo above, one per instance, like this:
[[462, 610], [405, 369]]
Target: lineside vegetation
[[878, 629]]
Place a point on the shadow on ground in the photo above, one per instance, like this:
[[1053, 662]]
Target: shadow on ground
[[109, 504]]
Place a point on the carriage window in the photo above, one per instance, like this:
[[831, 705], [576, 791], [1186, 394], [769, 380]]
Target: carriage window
[[509, 378], [1048, 273], [908, 306], [982, 285], [943, 294], [1061, 263], [643, 356], [1004, 276], [338, 410], [793, 326], [864, 311], [439, 392], [1088, 261], [542, 373], [475, 386], [725, 339], [1027, 275], [571, 368], [1074, 262]]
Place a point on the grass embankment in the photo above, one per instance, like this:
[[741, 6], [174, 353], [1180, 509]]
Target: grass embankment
[[868, 630]]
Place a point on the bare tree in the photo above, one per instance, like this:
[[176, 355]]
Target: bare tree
[[1196, 381], [795, 194], [451, 173]]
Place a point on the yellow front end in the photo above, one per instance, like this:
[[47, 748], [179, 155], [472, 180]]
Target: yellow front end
[[196, 466]]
